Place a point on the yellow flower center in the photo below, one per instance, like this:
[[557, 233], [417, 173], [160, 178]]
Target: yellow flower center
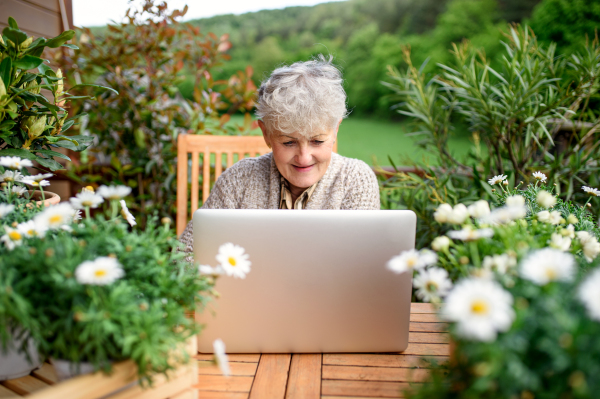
[[86, 203], [14, 235], [411, 262], [551, 273], [31, 232], [8, 179], [55, 219], [100, 273], [479, 307], [431, 286], [232, 261]]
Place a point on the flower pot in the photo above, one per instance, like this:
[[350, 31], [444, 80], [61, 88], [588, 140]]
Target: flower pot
[[14, 364], [51, 198], [66, 369]]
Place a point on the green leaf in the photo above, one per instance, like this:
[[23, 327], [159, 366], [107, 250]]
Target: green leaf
[[12, 23], [49, 163], [43, 68], [53, 154], [92, 85], [60, 39], [5, 71], [28, 62], [74, 47], [7, 124], [15, 35], [18, 152], [65, 144], [67, 125]]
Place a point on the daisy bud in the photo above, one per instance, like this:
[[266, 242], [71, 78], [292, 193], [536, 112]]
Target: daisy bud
[[589, 205], [166, 220], [441, 243], [49, 253], [463, 260], [572, 219], [545, 199], [505, 182], [88, 188]]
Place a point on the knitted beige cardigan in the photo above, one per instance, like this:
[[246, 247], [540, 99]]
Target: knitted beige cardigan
[[255, 183]]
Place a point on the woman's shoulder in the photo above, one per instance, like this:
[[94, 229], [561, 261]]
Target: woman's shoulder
[[249, 166]]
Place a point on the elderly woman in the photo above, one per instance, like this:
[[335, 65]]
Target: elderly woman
[[300, 108]]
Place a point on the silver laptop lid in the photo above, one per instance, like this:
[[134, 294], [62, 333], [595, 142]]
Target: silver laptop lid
[[318, 280]]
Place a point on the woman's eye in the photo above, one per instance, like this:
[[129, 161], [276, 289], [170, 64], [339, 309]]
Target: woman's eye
[[318, 142], [288, 143]]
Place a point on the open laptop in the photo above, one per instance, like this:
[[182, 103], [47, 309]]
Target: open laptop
[[318, 280]]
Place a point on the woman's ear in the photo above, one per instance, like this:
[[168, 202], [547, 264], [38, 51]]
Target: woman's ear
[[263, 128]]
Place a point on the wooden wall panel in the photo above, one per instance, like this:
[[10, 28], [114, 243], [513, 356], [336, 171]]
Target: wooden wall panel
[[36, 17]]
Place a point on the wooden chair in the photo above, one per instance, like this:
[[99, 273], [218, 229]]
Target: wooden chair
[[218, 145], [207, 145]]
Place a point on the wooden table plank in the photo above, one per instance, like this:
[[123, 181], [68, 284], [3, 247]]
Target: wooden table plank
[[25, 385], [417, 307], [379, 360], [377, 389], [46, 373], [305, 377], [233, 357], [222, 395], [427, 349], [429, 338], [271, 376], [356, 373], [6, 393], [424, 318], [222, 383], [428, 327], [236, 368]]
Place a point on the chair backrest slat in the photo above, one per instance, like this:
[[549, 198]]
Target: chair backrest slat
[[207, 145]]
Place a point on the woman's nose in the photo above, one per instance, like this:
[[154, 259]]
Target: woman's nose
[[304, 156]]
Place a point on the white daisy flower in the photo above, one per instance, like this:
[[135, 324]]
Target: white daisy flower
[[569, 231], [559, 242], [407, 261], [459, 214], [31, 229], [15, 162], [468, 234], [5, 209], [34, 183], [480, 308], [545, 199], [428, 257], [589, 294], [209, 270], [12, 238], [126, 214], [442, 212], [54, 217], [591, 249], [539, 176], [591, 191], [515, 201], [11, 176], [584, 237], [101, 271], [553, 217], [500, 263], [479, 209], [77, 215], [441, 243], [497, 179], [505, 215], [114, 192], [432, 284], [39, 177], [86, 199], [18, 190], [546, 265], [233, 260], [221, 357]]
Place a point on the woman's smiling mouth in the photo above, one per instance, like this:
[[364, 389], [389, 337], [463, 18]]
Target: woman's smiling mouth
[[303, 168]]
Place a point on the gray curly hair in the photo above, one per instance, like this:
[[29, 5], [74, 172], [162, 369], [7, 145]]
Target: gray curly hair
[[305, 98]]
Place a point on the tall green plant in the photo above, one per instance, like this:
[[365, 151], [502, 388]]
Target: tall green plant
[[32, 122], [535, 113]]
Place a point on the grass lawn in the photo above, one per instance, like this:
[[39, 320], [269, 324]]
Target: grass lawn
[[372, 141]]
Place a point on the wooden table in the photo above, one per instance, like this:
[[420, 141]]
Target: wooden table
[[330, 376], [255, 376]]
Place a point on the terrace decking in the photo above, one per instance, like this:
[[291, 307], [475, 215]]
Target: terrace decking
[[330, 376], [289, 376]]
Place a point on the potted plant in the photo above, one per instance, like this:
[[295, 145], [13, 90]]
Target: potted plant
[[519, 286]]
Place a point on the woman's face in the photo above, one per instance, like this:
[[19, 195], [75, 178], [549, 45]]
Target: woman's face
[[301, 161]]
